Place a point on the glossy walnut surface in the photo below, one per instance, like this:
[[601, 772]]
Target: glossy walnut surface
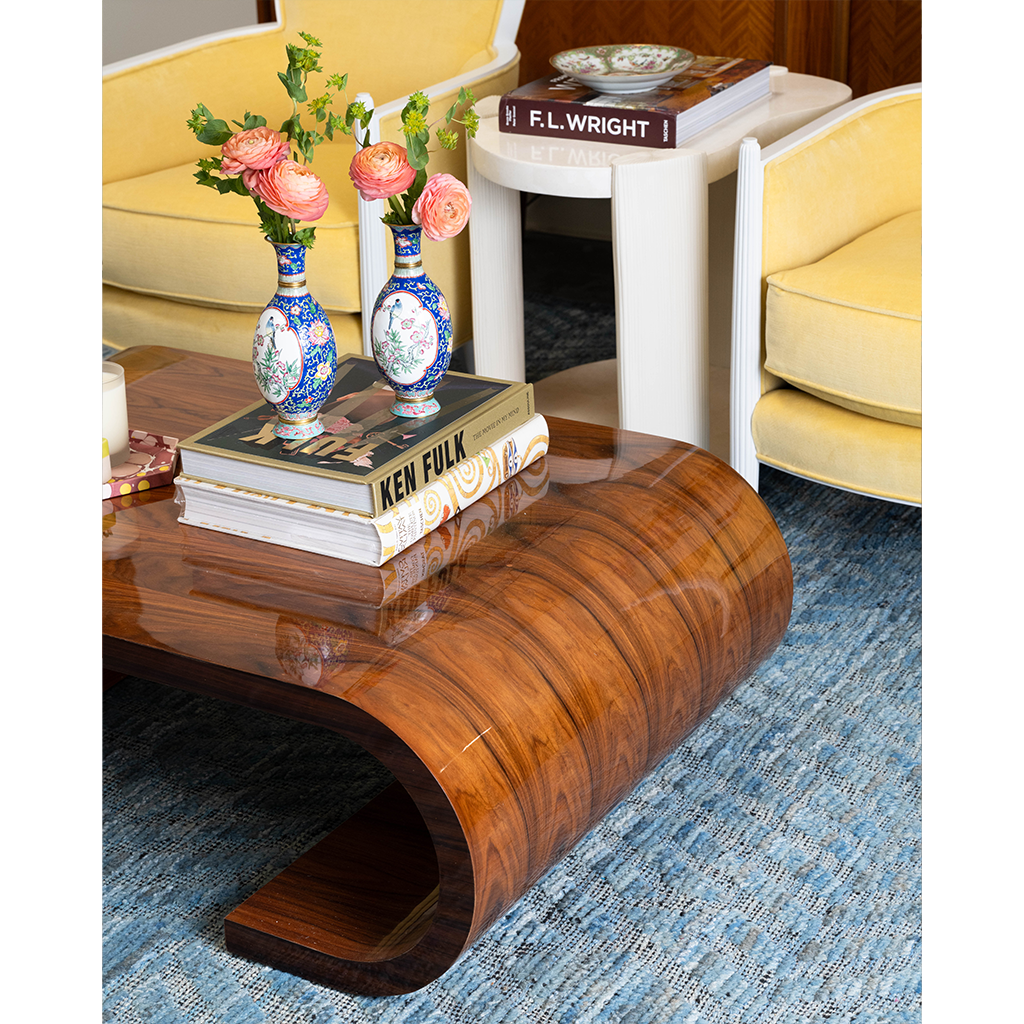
[[516, 695]]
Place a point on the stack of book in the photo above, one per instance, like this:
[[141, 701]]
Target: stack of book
[[372, 484], [710, 89]]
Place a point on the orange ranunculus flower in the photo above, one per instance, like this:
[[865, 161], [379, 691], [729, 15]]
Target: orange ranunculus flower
[[255, 149], [381, 170], [443, 207], [290, 189]]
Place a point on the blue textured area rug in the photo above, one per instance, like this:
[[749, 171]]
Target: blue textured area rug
[[768, 871]]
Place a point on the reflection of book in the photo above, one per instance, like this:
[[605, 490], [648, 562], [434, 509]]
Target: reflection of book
[[391, 600], [151, 463], [356, 538], [367, 460], [708, 90]]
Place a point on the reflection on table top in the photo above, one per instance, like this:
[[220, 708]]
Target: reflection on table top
[[616, 517]]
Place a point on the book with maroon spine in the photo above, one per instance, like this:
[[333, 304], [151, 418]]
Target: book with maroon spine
[[709, 90]]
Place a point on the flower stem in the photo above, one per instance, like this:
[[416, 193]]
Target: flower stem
[[399, 211]]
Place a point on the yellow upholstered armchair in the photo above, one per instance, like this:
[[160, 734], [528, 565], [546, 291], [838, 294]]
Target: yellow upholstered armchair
[[186, 267], [826, 343]]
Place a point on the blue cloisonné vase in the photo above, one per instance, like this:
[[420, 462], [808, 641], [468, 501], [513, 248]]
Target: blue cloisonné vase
[[293, 351], [411, 329]]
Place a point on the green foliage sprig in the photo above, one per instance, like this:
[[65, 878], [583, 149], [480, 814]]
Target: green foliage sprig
[[303, 61], [417, 133]]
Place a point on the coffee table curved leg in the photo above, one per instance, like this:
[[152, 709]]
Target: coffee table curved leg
[[360, 910], [542, 698]]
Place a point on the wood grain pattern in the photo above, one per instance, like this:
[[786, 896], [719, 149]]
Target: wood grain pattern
[[885, 44], [559, 660], [869, 44], [734, 28], [812, 38]]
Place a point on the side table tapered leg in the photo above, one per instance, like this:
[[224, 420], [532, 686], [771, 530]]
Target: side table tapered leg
[[660, 248], [496, 260]]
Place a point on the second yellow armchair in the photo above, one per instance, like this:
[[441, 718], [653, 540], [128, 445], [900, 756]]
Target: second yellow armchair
[[827, 341]]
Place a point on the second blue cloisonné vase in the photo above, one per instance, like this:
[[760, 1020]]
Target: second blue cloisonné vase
[[411, 329], [294, 357]]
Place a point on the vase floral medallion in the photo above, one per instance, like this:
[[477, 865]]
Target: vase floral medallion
[[293, 351], [411, 329]]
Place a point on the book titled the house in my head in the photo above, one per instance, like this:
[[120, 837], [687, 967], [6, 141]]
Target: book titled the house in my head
[[368, 459], [709, 90]]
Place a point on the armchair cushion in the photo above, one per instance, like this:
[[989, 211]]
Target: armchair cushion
[[848, 327], [800, 434], [169, 243]]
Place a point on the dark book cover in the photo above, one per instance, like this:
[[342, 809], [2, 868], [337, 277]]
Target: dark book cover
[[367, 458]]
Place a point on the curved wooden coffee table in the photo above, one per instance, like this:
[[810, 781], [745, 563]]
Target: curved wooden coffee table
[[517, 695]]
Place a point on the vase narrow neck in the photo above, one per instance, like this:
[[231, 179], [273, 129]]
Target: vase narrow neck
[[408, 261], [291, 268]]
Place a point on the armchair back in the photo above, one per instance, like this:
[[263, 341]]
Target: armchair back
[[144, 101], [837, 185]]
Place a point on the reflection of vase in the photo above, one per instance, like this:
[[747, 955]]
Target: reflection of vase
[[293, 352], [310, 652], [411, 329]]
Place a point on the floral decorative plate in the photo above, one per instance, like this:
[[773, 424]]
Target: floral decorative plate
[[623, 67]]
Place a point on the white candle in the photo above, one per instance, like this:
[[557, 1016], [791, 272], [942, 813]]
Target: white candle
[[115, 413]]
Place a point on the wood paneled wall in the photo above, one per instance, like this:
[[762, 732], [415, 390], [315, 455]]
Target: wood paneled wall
[[870, 44], [721, 27], [885, 44], [812, 37]]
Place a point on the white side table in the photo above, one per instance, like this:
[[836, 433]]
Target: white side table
[[659, 244]]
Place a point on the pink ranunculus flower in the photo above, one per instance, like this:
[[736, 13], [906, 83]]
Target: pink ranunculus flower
[[229, 166], [290, 189], [443, 207], [256, 149], [381, 170]]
